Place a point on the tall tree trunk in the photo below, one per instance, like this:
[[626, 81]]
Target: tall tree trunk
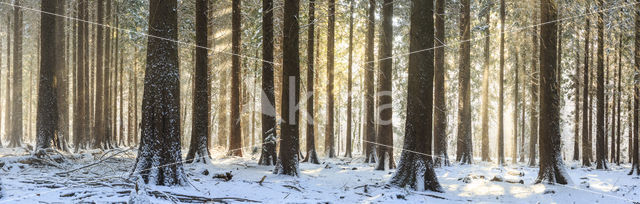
[[384, 125], [441, 157], [635, 164], [612, 156], [289, 147], [576, 83], [369, 115], [533, 126], [78, 77], [501, 97], [516, 101], [8, 115], [329, 130], [464, 143], [160, 143], [600, 117], [269, 133], [198, 149], [618, 95], [312, 156], [46, 120], [235, 131], [416, 167], [100, 81], [16, 114], [586, 145], [349, 83], [551, 164], [486, 156], [62, 78]]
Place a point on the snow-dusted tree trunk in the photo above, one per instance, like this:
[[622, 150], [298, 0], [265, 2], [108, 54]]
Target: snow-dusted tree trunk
[[576, 83], [464, 152], [551, 164], [312, 155], [416, 166], [159, 159], [635, 166], [384, 110], [268, 156], [369, 115], [289, 147], [440, 105], [46, 120], [600, 114], [533, 120], [198, 149]]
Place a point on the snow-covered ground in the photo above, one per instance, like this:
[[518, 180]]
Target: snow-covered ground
[[339, 180]]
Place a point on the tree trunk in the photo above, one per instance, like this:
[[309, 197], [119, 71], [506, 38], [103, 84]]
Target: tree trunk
[[198, 149], [384, 125], [612, 155], [269, 134], [533, 126], [289, 147], [312, 156], [576, 128], [100, 81], [501, 99], [46, 120], [551, 164], [618, 95], [235, 131], [349, 83], [62, 78], [441, 157], [329, 132], [416, 167], [586, 145], [160, 143], [7, 113], [15, 139], [464, 142], [516, 100], [600, 117], [486, 155], [635, 165], [369, 115]]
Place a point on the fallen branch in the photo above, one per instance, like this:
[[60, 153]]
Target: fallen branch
[[224, 176], [197, 199], [92, 164], [262, 180]]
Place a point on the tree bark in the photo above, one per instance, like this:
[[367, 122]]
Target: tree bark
[[15, 139], [289, 147], [46, 121], [160, 143], [551, 164], [600, 115], [516, 101], [464, 142], [501, 97], [62, 79], [198, 149], [235, 132], [635, 164], [384, 112], [268, 156], [369, 115], [329, 130], [416, 167], [349, 83], [441, 158], [312, 156], [586, 145], [100, 80], [576, 128], [535, 70]]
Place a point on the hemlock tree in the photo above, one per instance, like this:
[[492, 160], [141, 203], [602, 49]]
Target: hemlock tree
[[329, 140], [235, 132], [268, 156], [416, 167], [384, 112], [551, 164], [369, 116], [312, 156], [160, 140], [441, 158], [288, 158], [46, 121], [198, 149], [464, 144], [600, 117]]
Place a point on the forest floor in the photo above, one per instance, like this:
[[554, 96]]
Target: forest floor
[[97, 176]]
